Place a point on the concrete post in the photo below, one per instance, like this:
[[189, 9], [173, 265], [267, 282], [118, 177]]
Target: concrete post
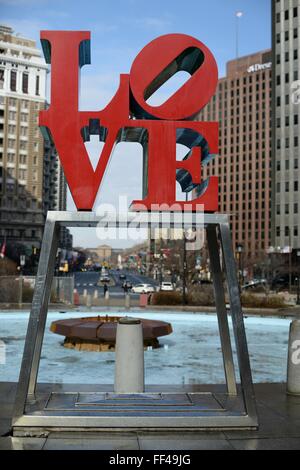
[[106, 298], [89, 300], [129, 366], [95, 294], [84, 292], [127, 301], [293, 368], [20, 290]]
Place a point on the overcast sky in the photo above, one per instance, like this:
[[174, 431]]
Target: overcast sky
[[119, 30]]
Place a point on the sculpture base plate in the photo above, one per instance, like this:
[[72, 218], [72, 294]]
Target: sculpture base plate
[[177, 407]]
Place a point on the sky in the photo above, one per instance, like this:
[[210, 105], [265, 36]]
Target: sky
[[119, 30]]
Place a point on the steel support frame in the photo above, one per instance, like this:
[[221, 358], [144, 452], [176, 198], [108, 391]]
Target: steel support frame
[[218, 240]]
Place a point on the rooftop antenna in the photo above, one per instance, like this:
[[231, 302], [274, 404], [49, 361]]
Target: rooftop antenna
[[238, 14]]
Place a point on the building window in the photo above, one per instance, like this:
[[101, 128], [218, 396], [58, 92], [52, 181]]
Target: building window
[[295, 54], [295, 208], [295, 185], [295, 33], [296, 141], [286, 56], [1, 79], [287, 186], [10, 157], [13, 80], [23, 145], [22, 174], [286, 14], [25, 83], [12, 115], [277, 231], [296, 231], [278, 209], [296, 119], [277, 17], [286, 231], [37, 85], [286, 209], [295, 12]]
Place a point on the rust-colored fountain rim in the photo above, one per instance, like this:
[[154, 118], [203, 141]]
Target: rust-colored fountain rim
[[104, 327]]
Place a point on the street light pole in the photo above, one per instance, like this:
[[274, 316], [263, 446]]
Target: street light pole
[[160, 262], [184, 264], [298, 280], [22, 264], [238, 14], [240, 252], [290, 262]]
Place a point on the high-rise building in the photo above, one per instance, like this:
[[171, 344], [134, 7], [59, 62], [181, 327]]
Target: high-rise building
[[285, 119], [31, 178], [242, 106]]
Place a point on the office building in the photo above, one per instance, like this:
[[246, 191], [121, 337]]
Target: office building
[[242, 106], [31, 178], [285, 119]]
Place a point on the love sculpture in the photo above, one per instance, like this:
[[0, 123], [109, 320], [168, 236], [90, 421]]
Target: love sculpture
[[128, 117]]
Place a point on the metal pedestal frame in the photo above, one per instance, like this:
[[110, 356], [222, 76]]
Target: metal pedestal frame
[[27, 415]]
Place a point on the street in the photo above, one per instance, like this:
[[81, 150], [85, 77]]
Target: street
[[89, 280]]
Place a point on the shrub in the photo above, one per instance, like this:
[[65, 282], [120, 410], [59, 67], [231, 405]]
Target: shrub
[[27, 293], [272, 301], [201, 295], [9, 289], [166, 298], [7, 267]]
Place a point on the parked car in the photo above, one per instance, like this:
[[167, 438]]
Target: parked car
[[283, 280], [122, 276], [105, 278], [166, 286], [143, 289], [255, 283]]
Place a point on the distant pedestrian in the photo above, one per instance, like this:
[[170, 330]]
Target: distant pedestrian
[[125, 287], [105, 289]]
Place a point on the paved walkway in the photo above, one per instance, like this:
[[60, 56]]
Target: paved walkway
[[279, 417]]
